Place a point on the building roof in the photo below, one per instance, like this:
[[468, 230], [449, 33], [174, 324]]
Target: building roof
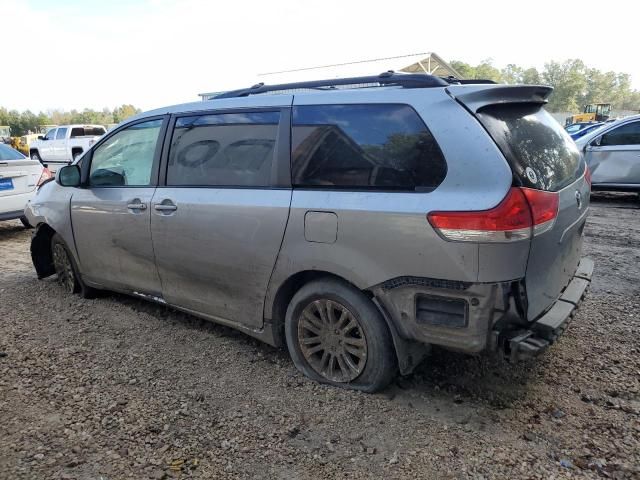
[[428, 63]]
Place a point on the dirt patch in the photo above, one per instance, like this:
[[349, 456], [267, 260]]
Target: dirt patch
[[118, 388]]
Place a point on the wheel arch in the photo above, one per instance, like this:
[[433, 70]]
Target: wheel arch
[[408, 353], [41, 250]]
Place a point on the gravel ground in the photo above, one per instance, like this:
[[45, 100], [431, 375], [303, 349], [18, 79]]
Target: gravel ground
[[118, 388]]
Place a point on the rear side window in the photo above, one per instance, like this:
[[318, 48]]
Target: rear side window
[[87, 132], [628, 134], [386, 147], [229, 149], [541, 154]]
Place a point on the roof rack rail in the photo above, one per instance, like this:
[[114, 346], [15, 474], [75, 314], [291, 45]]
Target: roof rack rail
[[390, 78], [471, 81]]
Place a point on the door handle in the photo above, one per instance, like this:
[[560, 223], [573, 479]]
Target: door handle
[[163, 207], [136, 205]]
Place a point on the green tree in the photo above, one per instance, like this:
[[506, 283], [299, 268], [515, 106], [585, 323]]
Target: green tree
[[512, 74], [569, 83], [22, 123], [123, 112], [531, 77], [575, 84]]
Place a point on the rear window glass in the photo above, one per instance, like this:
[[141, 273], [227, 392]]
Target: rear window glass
[[8, 153], [385, 147], [541, 154], [87, 132]]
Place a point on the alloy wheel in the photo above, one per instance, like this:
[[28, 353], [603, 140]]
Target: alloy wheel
[[332, 340], [62, 265]]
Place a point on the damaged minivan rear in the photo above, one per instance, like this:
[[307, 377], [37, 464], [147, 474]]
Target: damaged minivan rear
[[357, 222]]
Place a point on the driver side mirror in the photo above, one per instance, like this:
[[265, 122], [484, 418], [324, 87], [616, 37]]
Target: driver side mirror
[[69, 176], [40, 137]]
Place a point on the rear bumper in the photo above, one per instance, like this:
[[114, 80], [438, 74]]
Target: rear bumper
[[474, 317], [11, 215], [529, 343], [12, 206]]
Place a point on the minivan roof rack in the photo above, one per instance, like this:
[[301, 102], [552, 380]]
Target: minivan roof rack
[[390, 78], [471, 81]]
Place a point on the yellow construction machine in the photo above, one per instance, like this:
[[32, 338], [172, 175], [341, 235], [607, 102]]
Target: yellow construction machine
[[594, 112]]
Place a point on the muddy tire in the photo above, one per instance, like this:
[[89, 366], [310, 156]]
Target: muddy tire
[[66, 270], [336, 335]]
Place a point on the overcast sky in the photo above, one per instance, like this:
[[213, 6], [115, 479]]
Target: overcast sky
[[75, 53]]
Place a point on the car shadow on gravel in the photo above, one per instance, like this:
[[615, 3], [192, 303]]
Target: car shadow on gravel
[[452, 376], [448, 376], [186, 320], [485, 378], [616, 199], [12, 231]]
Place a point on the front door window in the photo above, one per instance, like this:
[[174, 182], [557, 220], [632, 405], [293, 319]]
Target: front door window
[[126, 158]]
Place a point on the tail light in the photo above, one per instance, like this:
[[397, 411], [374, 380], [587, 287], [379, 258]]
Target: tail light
[[587, 175], [522, 213], [44, 176]]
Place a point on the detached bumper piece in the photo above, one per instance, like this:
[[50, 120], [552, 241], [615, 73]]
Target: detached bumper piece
[[546, 330]]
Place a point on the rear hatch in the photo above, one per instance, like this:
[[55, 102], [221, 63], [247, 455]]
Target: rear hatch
[[19, 176], [542, 157]]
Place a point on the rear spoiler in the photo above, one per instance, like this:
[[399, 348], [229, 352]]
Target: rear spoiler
[[476, 97]]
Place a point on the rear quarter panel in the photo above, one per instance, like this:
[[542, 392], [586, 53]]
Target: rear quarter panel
[[383, 235]]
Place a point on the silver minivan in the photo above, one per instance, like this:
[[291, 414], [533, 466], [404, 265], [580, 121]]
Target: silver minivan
[[357, 221]]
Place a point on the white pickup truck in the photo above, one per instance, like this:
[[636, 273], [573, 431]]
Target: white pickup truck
[[64, 143]]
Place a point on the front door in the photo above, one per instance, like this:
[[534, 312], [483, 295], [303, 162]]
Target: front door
[[616, 160], [218, 224], [59, 147], [111, 215], [46, 146]]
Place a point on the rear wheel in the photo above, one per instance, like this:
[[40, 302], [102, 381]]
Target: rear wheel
[[336, 335], [66, 270], [75, 155]]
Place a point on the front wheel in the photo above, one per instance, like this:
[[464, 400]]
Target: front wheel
[[66, 270], [336, 335]]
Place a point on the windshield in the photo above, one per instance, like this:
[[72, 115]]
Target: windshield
[[8, 153], [541, 154], [573, 128]]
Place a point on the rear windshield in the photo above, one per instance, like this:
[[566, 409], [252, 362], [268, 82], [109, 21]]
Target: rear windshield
[[542, 155], [8, 153]]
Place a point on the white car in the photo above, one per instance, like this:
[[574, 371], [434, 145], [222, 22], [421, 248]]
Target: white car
[[20, 177], [63, 144]]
